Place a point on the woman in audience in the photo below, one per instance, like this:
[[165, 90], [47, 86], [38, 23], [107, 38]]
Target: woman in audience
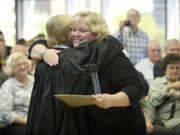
[[15, 95], [165, 93]]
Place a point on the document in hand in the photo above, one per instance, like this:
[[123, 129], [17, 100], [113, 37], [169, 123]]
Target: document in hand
[[76, 100]]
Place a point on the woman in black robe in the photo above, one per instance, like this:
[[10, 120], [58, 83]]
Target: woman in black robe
[[117, 75]]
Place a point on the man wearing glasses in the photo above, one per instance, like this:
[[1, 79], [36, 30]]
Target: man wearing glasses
[[135, 41]]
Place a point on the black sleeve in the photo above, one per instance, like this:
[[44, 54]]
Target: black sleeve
[[43, 42], [125, 78], [144, 83]]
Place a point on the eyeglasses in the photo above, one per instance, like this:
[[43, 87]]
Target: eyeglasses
[[156, 50]]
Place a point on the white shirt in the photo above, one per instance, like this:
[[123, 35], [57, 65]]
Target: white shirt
[[14, 99], [145, 66]]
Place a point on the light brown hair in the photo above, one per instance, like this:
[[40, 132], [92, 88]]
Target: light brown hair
[[58, 29]]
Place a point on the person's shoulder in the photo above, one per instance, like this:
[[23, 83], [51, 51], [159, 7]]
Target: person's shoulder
[[8, 83], [116, 34], [157, 84], [111, 37], [30, 77], [159, 80], [142, 33], [142, 62], [113, 41], [108, 42]]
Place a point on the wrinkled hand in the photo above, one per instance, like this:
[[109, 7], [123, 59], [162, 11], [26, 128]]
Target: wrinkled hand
[[50, 57], [175, 85], [103, 100], [150, 127]]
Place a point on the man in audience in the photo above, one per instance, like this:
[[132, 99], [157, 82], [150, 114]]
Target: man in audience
[[145, 66], [135, 41], [172, 46]]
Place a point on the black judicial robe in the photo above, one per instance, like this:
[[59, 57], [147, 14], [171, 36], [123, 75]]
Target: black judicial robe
[[50, 116]]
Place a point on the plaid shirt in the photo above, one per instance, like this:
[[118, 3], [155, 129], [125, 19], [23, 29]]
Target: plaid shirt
[[134, 43]]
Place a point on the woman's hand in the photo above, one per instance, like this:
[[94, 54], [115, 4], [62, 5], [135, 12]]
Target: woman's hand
[[119, 99], [50, 56], [103, 100]]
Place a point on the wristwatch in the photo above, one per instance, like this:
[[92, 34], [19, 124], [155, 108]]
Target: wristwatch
[[42, 53]]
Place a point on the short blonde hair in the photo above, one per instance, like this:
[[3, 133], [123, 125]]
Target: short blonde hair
[[11, 62], [58, 29], [95, 23]]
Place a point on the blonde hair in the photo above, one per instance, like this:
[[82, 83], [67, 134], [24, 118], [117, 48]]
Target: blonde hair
[[58, 29], [95, 23], [11, 62]]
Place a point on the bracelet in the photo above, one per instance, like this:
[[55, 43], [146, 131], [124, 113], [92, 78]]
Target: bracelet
[[42, 53]]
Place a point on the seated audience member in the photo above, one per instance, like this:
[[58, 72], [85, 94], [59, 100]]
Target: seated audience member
[[135, 41], [8, 48], [172, 46], [155, 127], [23, 49], [164, 93], [3, 56], [145, 66], [19, 48], [15, 95]]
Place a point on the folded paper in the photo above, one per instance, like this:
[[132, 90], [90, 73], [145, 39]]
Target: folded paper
[[76, 100]]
